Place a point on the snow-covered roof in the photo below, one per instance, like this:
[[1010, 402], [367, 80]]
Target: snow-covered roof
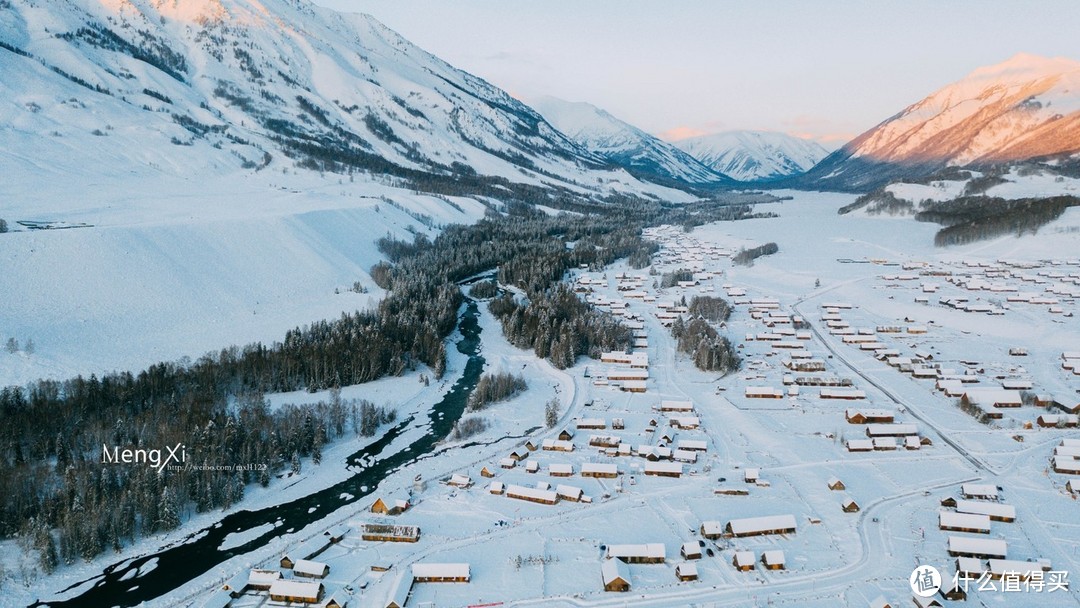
[[686, 569], [293, 588], [614, 569], [263, 577], [773, 558], [691, 548], [664, 467], [980, 490], [992, 396], [597, 467], [680, 406], [441, 570], [967, 521], [992, 509], [647, 550], [999, 567], [457, 479], [309, 567], [744, 558], [969, 564], [860, 444], [891, 430], [516, 491], [750, 525], [571, 492], [978, 546]]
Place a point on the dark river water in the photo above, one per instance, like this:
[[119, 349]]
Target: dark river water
[[199, 552]]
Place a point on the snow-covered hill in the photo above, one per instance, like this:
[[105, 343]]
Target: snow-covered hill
[[625, 145], [754, 155], [217, 85], [225, 167], [1024, 108]]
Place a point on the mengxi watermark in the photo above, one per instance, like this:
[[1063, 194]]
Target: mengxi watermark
[[157, 458], [925, 581]]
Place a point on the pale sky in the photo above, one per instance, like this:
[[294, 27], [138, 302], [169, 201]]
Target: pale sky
[[826, 70]]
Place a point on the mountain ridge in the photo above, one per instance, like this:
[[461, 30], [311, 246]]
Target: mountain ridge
[[1027, 107], [278, 83], [643, 155], [753, 156]]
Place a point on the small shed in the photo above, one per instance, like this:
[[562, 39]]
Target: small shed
[[690, 550], [310, 569], [711, 529], [836, 484], [773, 560], [744, 561], [686, 572]]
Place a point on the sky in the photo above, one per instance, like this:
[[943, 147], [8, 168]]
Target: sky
[[678, 68]]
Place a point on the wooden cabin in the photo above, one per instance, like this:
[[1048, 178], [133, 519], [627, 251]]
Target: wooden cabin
[[761, 526], [310, 569], [296, 591], [686, 572], [615, 575], [647, 553], [690, 550], [773, 560], [391, 507], [389, 533], [441, 573]]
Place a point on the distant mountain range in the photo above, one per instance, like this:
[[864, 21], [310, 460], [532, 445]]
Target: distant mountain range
[[126, 88], [622, 144], [754, 156], [1022, 109]]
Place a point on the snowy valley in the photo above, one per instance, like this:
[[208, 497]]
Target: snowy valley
[[404, 339]]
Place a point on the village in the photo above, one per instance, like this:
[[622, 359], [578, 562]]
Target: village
[[860, 438]]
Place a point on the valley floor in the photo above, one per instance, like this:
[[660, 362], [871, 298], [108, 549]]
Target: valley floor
[[527, 554]]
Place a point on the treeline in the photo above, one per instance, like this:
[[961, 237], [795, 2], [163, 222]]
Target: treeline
[[558, 326], [711, 308], [707, 348], [975, 218], [671, 279], [746, 257], [495, 387], [66, 504]]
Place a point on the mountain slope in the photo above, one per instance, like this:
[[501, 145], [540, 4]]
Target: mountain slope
[[624, 145], [754, 155], [1027, 107], [246, 83]]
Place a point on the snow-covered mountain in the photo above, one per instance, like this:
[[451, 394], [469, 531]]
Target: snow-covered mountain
[[209, 86], [754, 155], [224, 167], [1027, 107], [625, 145]]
